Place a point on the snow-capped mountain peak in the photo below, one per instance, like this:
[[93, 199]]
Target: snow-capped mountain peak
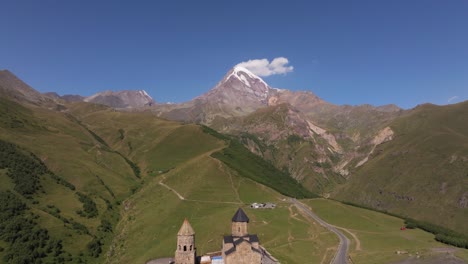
[[244, 75], [240, 92]]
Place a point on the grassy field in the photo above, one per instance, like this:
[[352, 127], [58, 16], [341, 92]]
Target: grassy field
[[379, 235]]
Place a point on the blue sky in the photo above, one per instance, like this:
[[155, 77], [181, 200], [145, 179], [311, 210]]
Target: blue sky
[[346, 52]]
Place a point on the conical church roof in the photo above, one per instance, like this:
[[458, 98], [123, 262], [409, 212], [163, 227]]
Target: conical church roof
[[186, 229], [240, 216]]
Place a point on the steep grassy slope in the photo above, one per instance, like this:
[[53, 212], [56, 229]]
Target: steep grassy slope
[[423, 172], [80, 187], [156, 145], [67, 148]]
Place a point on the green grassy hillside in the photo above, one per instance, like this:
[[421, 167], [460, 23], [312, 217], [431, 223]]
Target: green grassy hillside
[[89, 182], [75, 186], [423, 172]]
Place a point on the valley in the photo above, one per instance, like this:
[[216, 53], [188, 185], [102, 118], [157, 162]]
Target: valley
[[113, 185]]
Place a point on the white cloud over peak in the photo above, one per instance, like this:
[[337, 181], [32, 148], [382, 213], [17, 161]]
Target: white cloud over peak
[[263, 67]]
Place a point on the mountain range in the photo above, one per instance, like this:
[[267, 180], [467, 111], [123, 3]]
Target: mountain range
[[243, 104], [408, 162], [317, 142]]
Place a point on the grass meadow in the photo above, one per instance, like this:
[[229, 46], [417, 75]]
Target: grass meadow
[[379, 234]]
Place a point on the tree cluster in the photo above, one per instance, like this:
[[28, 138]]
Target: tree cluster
[[28, 242], [89, 206], [24, 168], [249, 165], [442, 234], [451, 240]]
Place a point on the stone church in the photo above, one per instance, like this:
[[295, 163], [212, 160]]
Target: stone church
[[238, 248]]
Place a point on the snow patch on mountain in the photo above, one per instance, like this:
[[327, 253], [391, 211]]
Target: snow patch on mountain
[[144, 93]]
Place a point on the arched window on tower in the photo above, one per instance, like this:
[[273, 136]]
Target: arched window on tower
[[239, 229], [190, 247], [185, 248], [179, 247]]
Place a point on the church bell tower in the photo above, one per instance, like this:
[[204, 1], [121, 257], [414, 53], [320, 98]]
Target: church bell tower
[[185, 251], [239, 224]]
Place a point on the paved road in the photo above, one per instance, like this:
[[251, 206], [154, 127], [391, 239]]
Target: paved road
[[342, 252]]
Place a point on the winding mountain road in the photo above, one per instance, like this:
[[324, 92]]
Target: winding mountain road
[[342, 252]]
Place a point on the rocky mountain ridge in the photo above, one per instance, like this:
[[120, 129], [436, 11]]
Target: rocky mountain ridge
[[119, 99]]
